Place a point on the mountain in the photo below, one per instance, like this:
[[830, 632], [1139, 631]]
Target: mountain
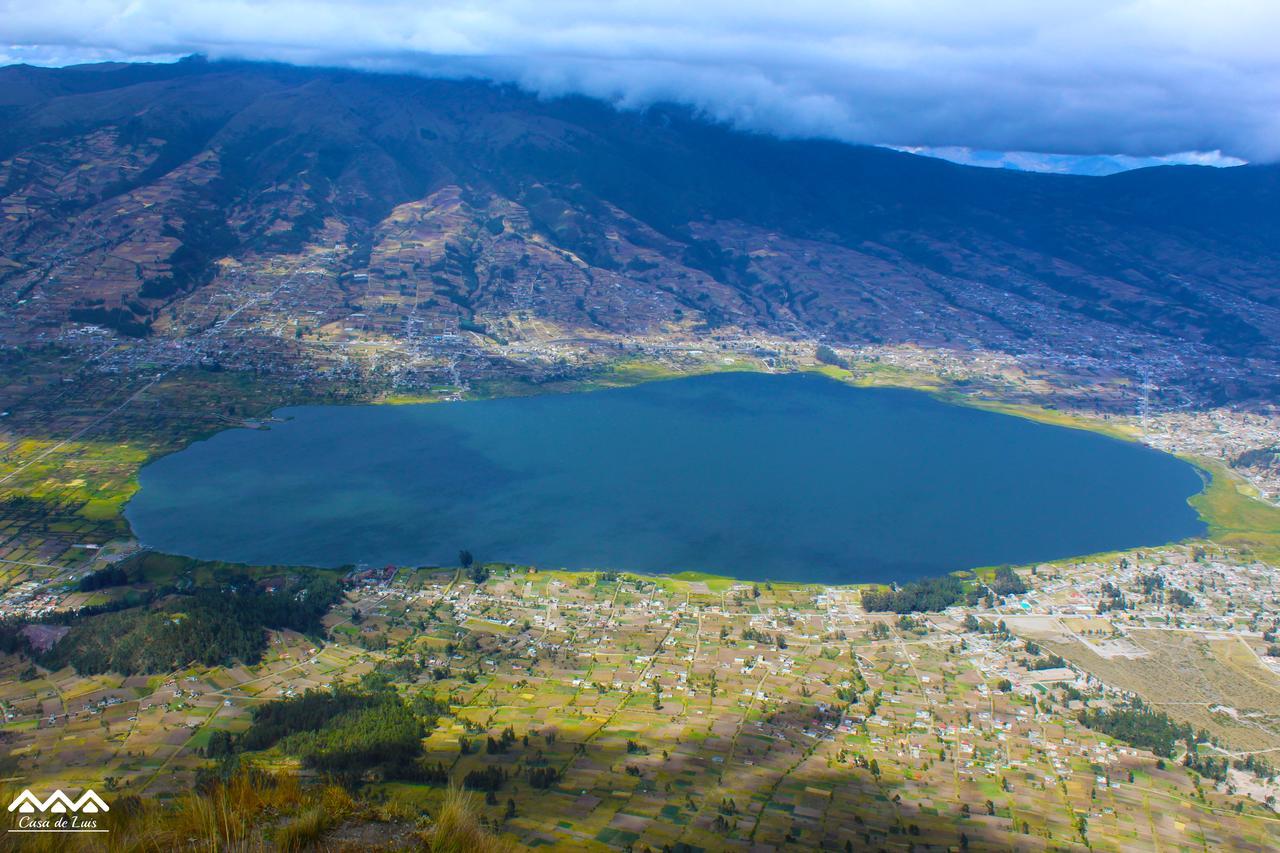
[[144, 198]]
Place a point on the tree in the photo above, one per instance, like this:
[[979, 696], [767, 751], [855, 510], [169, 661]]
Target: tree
[[543, 777], [827, 355], [1152, 730], [344, 732], [103, 578], [214, 625], [929, 594], [1007, 582], [465, 559]]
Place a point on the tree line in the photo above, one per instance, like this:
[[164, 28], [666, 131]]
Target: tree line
[[167, 630], [925, 595], [344, 733]]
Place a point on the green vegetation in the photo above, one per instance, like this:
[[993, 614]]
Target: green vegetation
[[629, 372], [1228, 505], [1153, 730], [1234, 514], [827, 355], [210, 625], [457, 829], [103, 578], [155, 567], [1040, 414], [927, 594], [347, 732], [253, 810], [541, 730], [1007, 582], [382, 735]]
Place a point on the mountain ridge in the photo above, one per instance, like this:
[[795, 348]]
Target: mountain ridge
[[131, 190]]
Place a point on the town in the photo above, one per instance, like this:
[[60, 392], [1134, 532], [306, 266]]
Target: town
[[724, 715]]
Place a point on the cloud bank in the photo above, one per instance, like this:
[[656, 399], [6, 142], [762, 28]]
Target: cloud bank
[[1143, 78], [1070, 164]]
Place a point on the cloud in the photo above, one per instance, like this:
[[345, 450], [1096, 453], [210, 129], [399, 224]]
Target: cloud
[[1070, 164], [1077, 77]]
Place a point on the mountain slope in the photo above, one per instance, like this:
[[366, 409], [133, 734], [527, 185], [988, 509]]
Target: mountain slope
[[142, 197]]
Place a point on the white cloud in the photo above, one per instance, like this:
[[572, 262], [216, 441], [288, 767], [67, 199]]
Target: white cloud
[[1144, 77], [1069, 164]]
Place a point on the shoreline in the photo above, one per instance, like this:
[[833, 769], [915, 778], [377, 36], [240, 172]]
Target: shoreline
[[1214, 514]]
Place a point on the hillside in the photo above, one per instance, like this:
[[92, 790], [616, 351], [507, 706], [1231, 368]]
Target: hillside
[[145, 198]]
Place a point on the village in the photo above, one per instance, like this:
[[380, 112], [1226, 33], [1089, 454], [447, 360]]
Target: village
[[701, 712], [712, 712]]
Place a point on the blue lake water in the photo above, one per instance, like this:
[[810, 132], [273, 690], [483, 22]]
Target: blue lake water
[[781, 477]]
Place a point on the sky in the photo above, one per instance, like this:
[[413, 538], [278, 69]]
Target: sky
[[1101, 84], [1069, 164]]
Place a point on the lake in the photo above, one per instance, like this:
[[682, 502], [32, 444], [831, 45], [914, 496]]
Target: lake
[[779, 477]]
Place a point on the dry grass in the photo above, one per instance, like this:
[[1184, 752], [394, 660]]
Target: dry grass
[[303, 830], [456, 829], [255, 811], [1186, 674]]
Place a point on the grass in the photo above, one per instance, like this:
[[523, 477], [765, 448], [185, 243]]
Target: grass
[[228, 816], [71, 461], [1231, 508], [888, 376], [618, 374], [1183, 675], [1040, 414], [456, 829], [98, 476], [409, 399], [1234, 513], [675, 580], [636, 371], [302, 831], [715, 583], [94, 479], [160, 569]]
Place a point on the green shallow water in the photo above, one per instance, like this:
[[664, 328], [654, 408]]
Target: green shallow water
[[791, 477]]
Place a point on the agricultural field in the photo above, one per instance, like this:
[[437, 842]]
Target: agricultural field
[[691, 711], [642, 712]]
